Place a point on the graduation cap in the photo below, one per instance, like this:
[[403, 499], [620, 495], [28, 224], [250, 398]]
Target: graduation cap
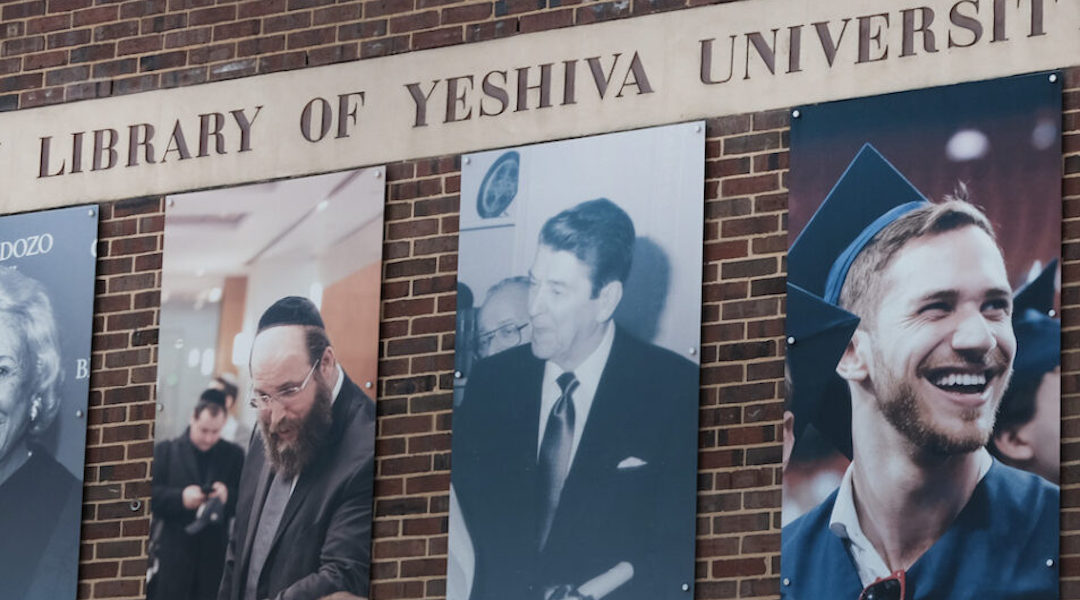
[[870, 194], [817, 334], [291, 310], [1038, 333]]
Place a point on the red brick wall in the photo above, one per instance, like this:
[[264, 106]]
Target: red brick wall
[[64, 50]]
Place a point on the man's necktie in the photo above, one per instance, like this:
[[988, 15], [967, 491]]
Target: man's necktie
[[273, 509], [554, 460]]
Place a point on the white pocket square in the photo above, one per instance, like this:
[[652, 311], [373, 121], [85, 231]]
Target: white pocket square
[[631, 462]]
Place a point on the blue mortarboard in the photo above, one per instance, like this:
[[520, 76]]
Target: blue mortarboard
[[870, 194], [291, 310], [818, 333], [1038, 333]]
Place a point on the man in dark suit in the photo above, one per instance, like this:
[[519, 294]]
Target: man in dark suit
[[196, 477], [303, 527], [575, 454]]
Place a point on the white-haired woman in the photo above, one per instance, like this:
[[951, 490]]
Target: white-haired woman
[[40, 500]]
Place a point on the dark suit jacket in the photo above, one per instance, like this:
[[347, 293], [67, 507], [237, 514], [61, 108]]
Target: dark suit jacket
[[190, 565], [323, 544], [645, 408]]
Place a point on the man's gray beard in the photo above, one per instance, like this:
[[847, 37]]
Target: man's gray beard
[[903, 412], [289, 460]]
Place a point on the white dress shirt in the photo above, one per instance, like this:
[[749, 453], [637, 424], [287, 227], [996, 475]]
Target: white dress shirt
[[588, 375], [844, 523]]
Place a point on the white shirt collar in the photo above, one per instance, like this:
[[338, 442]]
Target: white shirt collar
[[588, 374], [844, 524]]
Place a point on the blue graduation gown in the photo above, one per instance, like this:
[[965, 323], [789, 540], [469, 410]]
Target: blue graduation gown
[[1003, 545]]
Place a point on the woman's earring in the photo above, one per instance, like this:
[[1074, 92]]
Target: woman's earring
[[35, 408]]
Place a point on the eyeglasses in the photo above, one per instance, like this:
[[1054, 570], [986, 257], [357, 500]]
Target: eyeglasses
[[892, 587], [508, 335], [262, 401]]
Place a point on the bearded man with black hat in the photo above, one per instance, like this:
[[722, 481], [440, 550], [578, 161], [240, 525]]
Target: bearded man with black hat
[[303, 527], [923, 511], [196, 476]]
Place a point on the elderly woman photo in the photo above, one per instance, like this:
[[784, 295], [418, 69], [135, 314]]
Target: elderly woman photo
[[40, 500]]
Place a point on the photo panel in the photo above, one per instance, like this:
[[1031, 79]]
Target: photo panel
[[576, 383], [923, 342], [47, 267], [264, 440]]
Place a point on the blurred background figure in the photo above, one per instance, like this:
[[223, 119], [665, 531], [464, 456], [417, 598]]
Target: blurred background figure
[[1028, 427], [196, 476], [502, 322], [40, 500], [234, 431]]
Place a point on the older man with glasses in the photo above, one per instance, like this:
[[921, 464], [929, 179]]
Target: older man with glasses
[[303, 523]]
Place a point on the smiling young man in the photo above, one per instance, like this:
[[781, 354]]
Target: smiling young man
[[922, 503], [303, 522], [574, 454]]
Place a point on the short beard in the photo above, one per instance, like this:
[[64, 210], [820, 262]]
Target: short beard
[[903, 412], [289, 459]]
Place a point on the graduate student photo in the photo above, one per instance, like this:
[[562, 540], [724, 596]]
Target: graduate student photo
[[923, 509]]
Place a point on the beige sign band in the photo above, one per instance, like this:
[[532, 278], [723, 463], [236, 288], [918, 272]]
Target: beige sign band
[[688, 64]]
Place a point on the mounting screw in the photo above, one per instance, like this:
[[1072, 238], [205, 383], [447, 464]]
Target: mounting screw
[[1052, 313], [90, 212], [79, 414], [692, 351], [457, 374], [160, 407], [1049, 562], [1053, 78], [172, 202], [697, 129], [135, 505], [378, 173], [787, 582], [367, 384], [791, 340], [686, 587], [467, 160], [795, 114]]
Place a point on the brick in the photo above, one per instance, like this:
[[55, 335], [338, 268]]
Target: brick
[[45, 60], [311, 37], [115, 68], [54, 6], [287, 22], [142, 8], [23, 10], [93, 53], [140, 45], [69, 38], [603, 11], [437, 38], [115, 31], [41, 97], [23, 45], [230, 70], [236, 30], [209, 16], [164, 23], [165, 60], [259, 8], [132, 85], [189, 37], [262, 45], [94, 16], [208, 54], [546, 20], [384, 46], [414, 22], [333, 54], [283, 62], [20, 82], [48, 24], [381, 8], [335, 15]]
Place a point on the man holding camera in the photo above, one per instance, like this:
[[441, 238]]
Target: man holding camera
[[194, 496]]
